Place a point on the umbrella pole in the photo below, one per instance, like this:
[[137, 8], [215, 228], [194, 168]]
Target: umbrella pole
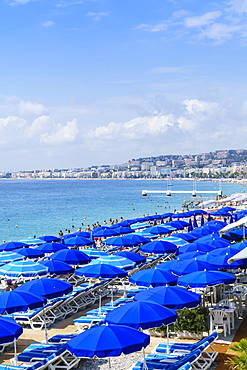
[[100, 305], [15, 350], [167, 339], [144, 359], [112, 297]]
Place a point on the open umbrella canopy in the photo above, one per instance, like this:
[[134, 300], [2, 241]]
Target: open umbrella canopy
[[30, 252], [94, 253], [170, 296], [32, 241], [84, 234], [115, 260], [153, 277], [166, 265], [158, 247], [17, 300], [71, 256], [107, 341], [77, 241], [11, 246], [120, 241], [47, 287], [140, 314], [221, 262], [105, 233], [179, 242], [137, 238], [6, 257], [189, 255], [190, 265], [137, 258], [49, 238], [195, 246], [25, 268], [159, 230], [51, 247], [57, 267], [9, 330], [101, 270], [185, 236], [201, 279], [121, 230]]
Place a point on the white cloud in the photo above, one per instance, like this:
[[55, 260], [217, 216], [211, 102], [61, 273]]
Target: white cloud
[[162, 26], [28, 107], [134, 129], [48, 24], [38, 126], [238, 6], [203, 20], [20, 2], [220, 32], [97, 16], [62, 134]]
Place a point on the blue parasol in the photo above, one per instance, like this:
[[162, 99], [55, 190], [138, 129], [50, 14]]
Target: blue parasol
[[105, 341], [153, 277], [6, 257], [51, 247], [30, 252], [49, 238], [94, 253], [158, 247], [26, 268], [47, 287], [190, 265], [105, 233], [101, 270], [57, 267], [137, 258], [77, 241], [140, 314], [170, 296], [115, 260], [120, 241], [17, 300], [9, 330], [11, 246], [200, 279], [71, 256]]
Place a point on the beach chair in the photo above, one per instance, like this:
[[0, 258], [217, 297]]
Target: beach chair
[[3, 346], [168, 365], [61, 338], [86, 322], [36, 319], [39, 365], [38, 351]]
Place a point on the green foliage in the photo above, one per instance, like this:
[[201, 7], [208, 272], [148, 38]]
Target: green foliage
[[239, 362], [192, 320]]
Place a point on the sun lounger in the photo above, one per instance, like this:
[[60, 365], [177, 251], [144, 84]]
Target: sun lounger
[[190, 358], [36, 319], [61, 338], [184, 347], [40, 365], [86, 322]]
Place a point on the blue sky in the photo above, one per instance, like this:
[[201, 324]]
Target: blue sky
[[85, 82]]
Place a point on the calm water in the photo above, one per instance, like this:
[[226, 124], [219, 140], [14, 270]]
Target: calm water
[[40, 207]]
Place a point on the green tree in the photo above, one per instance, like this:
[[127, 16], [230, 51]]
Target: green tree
[[239, 362]]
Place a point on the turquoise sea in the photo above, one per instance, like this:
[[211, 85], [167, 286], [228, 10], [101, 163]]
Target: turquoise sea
[[39, 207]]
